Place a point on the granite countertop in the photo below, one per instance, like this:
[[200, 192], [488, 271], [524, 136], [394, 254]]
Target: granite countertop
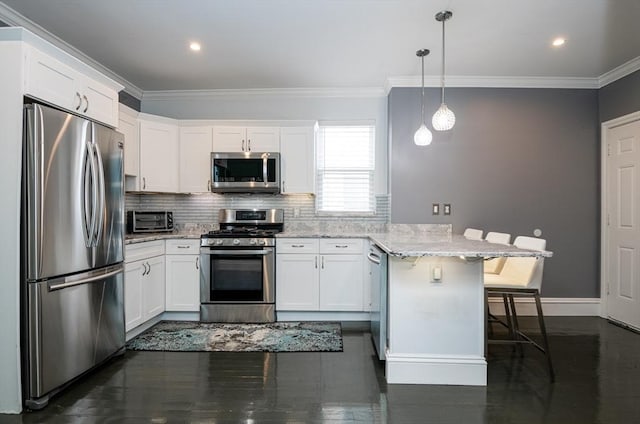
[[446, 245], [141, 238]]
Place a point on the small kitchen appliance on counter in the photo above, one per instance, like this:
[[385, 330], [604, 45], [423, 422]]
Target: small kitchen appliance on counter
[[149, 222], [237, 273]]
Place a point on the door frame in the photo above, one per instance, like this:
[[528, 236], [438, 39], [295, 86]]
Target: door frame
[[604, 199]]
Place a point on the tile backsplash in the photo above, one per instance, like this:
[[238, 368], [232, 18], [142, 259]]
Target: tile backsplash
[[202, 209]]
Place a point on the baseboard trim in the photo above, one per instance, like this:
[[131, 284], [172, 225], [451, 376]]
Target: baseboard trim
[[423, 369], [322, 316], [551, 306]]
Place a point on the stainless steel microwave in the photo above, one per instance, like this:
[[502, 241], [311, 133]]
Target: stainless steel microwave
[[245, 172]]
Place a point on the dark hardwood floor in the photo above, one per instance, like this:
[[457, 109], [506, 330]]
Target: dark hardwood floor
[[597, 381]]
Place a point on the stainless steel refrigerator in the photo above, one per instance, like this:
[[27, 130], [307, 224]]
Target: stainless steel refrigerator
[[72, 249]]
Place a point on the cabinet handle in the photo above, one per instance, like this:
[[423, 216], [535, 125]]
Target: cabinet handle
[[144, 183], [243, 145], [79, 100], [208, 185], [249, 145], [284, 190], [197, 262], [297, 245], [316, 262], [182, 247], [342, 246], [87, 104], [322, 262], [149, 266], [146, 270]]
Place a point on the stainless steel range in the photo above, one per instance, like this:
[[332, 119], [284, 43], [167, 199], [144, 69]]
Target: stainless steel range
[[237, 276]]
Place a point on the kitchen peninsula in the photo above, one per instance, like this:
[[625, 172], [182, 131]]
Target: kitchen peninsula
[[436, 306]]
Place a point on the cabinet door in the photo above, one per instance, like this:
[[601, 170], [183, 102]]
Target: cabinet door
[[341, 283], [153, 288], [229, 139], [133, 280], [263, 139], [297, 165], [51, 80], [183, 282], [158, 157], [128, 125], [195, 159], [100, 102], [297, 282]]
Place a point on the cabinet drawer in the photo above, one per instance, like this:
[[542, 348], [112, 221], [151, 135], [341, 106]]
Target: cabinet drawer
[[297, 245], [149, 249], [183, 247], [350, 245]]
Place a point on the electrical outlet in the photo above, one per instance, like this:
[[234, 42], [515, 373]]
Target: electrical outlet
[[435, 209], [446, 209], [436, 273]]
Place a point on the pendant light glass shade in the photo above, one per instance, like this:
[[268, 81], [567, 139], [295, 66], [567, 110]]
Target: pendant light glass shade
[[444, 119], [423, 136]]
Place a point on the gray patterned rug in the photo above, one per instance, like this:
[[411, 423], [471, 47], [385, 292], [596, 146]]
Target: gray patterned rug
[[181, 336]]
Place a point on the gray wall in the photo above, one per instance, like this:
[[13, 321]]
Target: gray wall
[[620, 98], [517, 160]]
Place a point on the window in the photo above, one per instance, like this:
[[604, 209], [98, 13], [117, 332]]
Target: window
[[345, 169]]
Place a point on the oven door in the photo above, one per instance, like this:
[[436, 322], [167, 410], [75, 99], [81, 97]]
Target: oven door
[[237, 275]]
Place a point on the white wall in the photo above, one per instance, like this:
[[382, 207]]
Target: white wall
[[10, 162], [279, 106]]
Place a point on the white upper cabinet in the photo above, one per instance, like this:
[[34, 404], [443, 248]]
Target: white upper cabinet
[[158, 155], [195, 159], [246, 139], [297, 164], [128, 125], [50, 80]]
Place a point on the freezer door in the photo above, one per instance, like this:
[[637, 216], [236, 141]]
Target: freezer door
[[74, 323], [110, 222]]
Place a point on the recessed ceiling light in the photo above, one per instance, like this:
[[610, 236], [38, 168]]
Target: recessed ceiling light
[[195, 46], [558, 41]]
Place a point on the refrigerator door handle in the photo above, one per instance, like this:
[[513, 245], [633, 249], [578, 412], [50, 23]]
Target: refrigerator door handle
[[86, 201], [100, 186], [85, 278], [94, 194]]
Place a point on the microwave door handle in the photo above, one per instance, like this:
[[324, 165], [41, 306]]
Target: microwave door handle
[[264, 170]]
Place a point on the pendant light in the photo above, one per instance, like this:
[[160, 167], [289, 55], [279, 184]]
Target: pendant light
[[423, 136], [444, 118]]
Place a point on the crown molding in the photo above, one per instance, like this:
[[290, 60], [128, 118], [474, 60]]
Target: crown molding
[[620, 72], [13, 18], [366, 92], [492, 82]]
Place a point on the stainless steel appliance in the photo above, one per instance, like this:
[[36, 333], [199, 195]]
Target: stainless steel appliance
[[72, 249], [237, 273], [149, 222], [378, 269], [245, 172]]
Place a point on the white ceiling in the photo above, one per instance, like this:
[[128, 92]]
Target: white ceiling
[[251, 44]]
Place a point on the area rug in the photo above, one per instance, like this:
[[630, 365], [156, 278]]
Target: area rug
[[181, 336]]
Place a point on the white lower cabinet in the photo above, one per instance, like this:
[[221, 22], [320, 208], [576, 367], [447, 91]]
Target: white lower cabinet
[[144, 282], [320, 275], [183, 275]]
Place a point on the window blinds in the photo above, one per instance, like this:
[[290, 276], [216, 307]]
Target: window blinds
[[345, 166]]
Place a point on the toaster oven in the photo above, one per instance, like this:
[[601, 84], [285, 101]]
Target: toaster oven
[[149, 222]]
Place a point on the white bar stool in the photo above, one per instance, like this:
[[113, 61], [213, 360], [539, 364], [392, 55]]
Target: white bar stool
[[473, 234]]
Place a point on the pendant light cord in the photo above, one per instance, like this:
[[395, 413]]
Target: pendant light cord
[[422, 115], [442, 76]]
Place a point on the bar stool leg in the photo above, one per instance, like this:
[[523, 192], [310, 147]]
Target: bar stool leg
[[516, 326], [508, 319], [545, 342]]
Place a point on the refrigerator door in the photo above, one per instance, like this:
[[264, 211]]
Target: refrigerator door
[[108, 233], [74, 195], [74, 323]]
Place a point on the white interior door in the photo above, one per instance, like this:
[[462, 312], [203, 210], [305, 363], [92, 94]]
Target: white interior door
[[623, 247]]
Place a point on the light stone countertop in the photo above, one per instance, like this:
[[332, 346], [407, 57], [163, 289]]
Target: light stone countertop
[[405, 246], [141, 238]]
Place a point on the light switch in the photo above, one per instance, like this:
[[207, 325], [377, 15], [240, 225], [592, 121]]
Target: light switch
[[436, 273], [447, 209], [435, 209]]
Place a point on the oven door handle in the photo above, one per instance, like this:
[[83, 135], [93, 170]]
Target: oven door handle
[[236, 252]]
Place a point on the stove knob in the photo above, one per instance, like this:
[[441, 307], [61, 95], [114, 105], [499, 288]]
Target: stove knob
[[236, 242], [218, 242], [262, 242], [253, 241]]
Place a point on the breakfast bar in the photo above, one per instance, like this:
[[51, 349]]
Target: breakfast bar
[[436, 306]]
